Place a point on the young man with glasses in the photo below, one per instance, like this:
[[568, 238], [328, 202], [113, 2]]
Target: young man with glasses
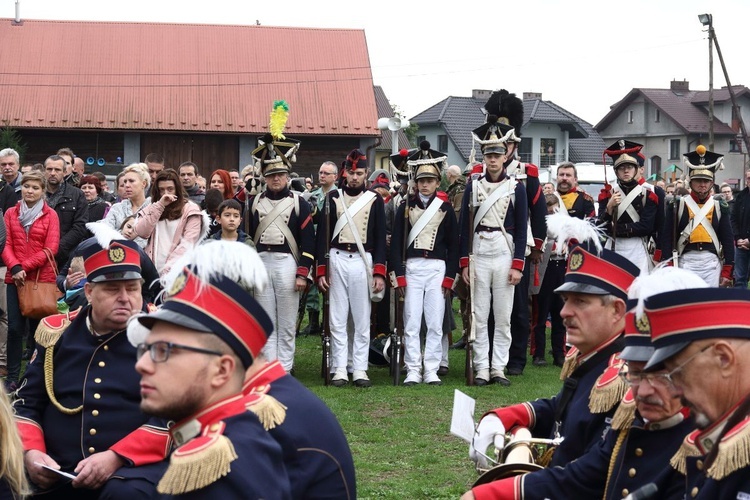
[[77, 409], [701, 339], [647, 428], [628, 210], [192, 361]]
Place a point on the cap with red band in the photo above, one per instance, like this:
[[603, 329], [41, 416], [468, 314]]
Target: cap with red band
[[675, 319]]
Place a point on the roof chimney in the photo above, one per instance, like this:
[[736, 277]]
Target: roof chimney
[[481, 95], [683, 86], [531, 96], [17, 20]]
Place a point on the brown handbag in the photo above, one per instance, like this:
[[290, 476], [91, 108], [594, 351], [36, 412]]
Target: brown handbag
[[38, 300]]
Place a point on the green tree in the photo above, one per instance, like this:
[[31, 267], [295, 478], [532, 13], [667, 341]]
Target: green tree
[[11, 138]]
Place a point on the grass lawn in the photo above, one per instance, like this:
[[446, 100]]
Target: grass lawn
[[400, 436]]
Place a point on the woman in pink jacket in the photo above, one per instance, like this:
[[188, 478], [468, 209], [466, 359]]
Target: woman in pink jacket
[[32, 227], [172, 225]]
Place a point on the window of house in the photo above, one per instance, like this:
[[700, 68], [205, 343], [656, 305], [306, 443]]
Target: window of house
[[657, 118], [547, 152], [630, 116], [735, 146], [674, 149], [525, 150], [656, 165], [421, 138], [443, 143]]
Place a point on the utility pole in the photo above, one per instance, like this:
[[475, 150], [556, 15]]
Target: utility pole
[[735, 108], [708, 20]]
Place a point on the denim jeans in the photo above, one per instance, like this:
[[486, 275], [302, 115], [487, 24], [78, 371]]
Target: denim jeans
[[741, 260]]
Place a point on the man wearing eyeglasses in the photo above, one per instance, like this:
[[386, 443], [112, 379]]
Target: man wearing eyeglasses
[[647, 428], [701, 339], [77, 409], [192, 361]]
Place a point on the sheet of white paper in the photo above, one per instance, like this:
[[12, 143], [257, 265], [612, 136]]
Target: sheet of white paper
[[65, 474], [462, 420]]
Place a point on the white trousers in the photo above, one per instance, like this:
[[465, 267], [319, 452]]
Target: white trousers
[[705, 264], [424, 292], [492, 258], [280, 300], [633, 249], [349, 294]]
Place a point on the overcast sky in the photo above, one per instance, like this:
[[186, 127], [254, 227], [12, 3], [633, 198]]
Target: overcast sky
[[583, 55]]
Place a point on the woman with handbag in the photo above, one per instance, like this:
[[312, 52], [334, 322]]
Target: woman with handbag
[[32, 242]]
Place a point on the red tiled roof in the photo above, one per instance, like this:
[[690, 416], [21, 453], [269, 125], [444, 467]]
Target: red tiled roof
[[184, 77]]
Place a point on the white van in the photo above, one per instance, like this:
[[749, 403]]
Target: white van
[[590, 177]]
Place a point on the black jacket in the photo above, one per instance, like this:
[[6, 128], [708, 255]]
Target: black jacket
[[741, 215], [73, 211]]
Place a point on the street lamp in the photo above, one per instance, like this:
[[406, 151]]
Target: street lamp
[[394, 124], [707, 20]]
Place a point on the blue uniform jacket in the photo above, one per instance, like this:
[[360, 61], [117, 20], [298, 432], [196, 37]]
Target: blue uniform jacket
[[581, 428], [316, 453], [99, 373], [257, 472], [642, 458]]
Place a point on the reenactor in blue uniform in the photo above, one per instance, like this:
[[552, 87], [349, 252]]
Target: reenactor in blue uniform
[[281, 226], [701, 338], [354, 233], [698, 230], [629, 210], [509, 110], [424, 258], [316, 454], [647, 428], [574, 203], [192, 356], [77, 409], [595, 291]]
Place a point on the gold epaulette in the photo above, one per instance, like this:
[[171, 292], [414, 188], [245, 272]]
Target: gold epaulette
[[47, 334], [609, 388], [269, 410], [688, 448], [51, 328], [198, 463], [570, 364], [625, 412], [734, 452]]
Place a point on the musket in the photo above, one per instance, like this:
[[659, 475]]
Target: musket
[[614, 226], [302, 308], [397, 338], [472, 331], [675, 230], [325, 331]]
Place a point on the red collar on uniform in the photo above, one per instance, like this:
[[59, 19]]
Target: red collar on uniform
[[187, 429], [270, 372]]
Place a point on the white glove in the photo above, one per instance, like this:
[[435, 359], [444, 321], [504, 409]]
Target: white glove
[[490, 430]]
